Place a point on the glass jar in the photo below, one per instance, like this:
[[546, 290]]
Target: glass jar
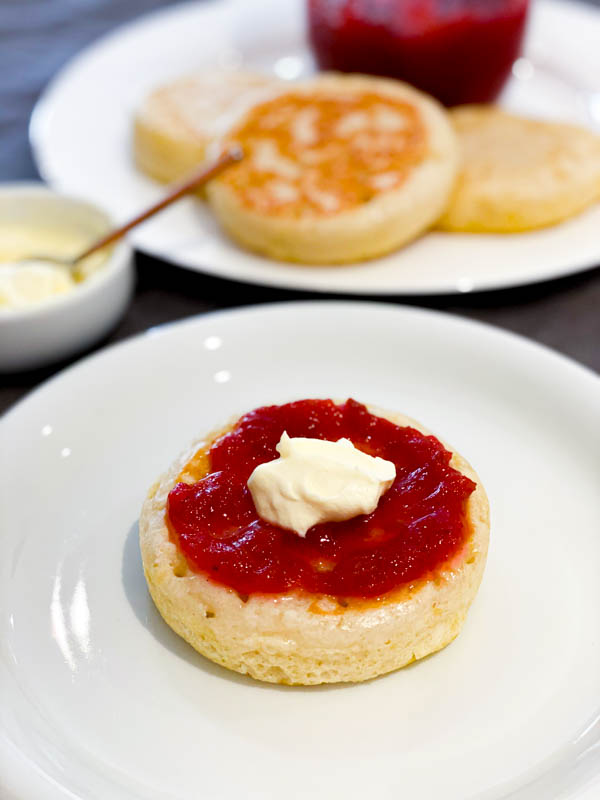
[[460, 51]]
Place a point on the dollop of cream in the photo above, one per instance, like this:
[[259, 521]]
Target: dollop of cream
[[316, 481], [24, 285]]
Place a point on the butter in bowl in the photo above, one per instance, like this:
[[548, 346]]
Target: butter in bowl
[[46, 311]]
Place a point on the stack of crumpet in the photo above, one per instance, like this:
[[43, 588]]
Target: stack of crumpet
[[345, 168]]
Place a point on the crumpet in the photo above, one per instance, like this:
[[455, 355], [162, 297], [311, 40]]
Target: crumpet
[[337, 169], [177, 122], [300, 636], [519, 174]]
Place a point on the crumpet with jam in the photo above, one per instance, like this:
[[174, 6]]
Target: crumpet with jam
[[346, 600], [338, 169]]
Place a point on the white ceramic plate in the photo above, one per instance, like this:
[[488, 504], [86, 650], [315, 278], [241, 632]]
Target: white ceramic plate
[[101, 700], [81, 140]]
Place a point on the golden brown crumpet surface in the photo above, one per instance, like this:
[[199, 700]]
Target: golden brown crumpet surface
[[319, 155], [340, 168]]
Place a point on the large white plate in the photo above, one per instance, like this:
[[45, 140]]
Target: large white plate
[[101, 700], [81, 140]]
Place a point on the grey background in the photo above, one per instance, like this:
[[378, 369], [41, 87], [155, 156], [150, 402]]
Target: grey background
[[38, 36]]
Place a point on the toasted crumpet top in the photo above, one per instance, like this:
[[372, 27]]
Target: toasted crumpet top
[[198, 106], [315, 154]]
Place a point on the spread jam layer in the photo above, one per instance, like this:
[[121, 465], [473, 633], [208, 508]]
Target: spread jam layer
[[419, 524], [319, 154]]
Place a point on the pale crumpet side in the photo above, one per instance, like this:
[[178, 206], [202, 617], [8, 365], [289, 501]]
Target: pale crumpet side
[[519, 174], [176, 122], [299, 637], [337, 169]]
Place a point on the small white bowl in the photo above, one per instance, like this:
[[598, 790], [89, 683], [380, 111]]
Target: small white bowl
[[70, 322]]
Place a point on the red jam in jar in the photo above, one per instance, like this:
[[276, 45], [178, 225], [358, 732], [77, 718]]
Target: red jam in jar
[[418, 525], [460, 51]]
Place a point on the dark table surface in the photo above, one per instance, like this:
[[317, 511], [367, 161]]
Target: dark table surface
[[38, 36]]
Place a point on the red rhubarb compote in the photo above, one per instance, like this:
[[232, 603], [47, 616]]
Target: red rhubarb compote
[[419, 525], [460, 51]]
